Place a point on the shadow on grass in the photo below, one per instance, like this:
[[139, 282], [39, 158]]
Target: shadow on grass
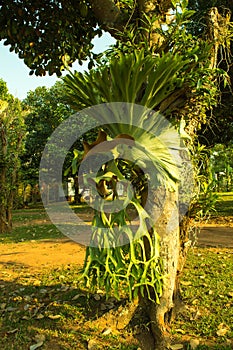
[[57, 308]]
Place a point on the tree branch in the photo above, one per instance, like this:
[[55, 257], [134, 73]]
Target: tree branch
[[108, 14]]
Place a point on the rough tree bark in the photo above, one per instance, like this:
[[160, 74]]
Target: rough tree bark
[[167, 227]]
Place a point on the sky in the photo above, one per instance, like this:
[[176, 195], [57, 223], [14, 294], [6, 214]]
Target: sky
[[16, 74]]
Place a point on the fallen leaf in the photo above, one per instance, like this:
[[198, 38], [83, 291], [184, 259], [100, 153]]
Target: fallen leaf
[[176, 346], [61, 277], [92, 344], [194, 343], [13, 331], [107, 331], [64, 288], [97, 297], [54, 317], [43, 291], [40, 316], [10, 309], [2, 306], [77, 296], [221, 332], [25, 318], [103, 307], [99, 291], [37, 283], [36, 346], [186, 283], [39, 338]]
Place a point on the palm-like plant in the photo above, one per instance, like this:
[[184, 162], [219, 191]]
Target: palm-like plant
[[142, 82]]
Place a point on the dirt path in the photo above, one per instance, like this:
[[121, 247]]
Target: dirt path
[[218, 232], [216, 236], [37, 255]]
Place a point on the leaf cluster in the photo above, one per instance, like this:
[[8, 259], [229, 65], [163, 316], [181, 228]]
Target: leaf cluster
[[45, 34]]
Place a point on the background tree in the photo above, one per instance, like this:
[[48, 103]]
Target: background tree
[[221, 160], [47, 110], [12, 131]]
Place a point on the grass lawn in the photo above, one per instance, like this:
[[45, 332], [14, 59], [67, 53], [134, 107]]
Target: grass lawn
[[51, 309], [224, 204]]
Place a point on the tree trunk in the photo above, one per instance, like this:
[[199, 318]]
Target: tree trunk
[[174, 237], [77, 195], [4, 224], [217, 31], [167, 227]]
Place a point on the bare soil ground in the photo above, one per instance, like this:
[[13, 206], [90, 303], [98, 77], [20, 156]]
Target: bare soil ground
[[50, 253], [37, 255], [218, 232]]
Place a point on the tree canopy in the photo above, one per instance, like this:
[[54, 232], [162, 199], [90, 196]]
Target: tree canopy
[[49, 34], [46, 110]]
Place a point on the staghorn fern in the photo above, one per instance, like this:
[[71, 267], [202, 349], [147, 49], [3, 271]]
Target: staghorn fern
[[134, 79]]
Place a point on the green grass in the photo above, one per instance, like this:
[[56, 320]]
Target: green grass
[[27, 215], [31, 233], [224, 204], [52, 303], [207, 290]]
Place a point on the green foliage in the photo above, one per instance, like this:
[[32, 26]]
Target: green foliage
[[124, 78], [12, 131], [46, 110], [75, 162], [224, 205], [219, 128], [201, 7], [45, 34], [139, 78], [115, 266], [221, 159], [205, 199]]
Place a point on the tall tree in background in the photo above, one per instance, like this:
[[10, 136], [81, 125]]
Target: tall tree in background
[[46, 110], [53, 34], [12, 131]]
